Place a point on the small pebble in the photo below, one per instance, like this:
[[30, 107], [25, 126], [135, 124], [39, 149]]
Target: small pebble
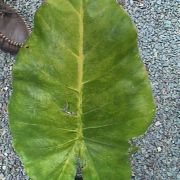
[[167, 24], [157, 123], [159, 149], [2, 177], [4, 167]]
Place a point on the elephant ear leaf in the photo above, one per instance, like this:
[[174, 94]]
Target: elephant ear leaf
[[80, 92]]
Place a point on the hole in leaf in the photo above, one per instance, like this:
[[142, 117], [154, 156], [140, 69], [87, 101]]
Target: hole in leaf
[[66, 109]]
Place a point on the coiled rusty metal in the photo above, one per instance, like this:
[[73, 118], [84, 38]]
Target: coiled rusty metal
[[13, 29]]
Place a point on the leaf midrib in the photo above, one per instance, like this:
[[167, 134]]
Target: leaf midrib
[[80, 71], [79, 143]]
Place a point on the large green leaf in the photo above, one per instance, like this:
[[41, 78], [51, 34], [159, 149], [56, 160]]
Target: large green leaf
[[80, 92]]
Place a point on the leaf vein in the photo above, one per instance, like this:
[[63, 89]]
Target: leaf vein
[[40, 125], [97, 127]]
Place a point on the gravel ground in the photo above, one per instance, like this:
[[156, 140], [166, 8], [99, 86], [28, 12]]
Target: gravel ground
[[159, 43]]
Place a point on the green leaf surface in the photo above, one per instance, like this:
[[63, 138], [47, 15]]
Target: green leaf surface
[[80, 92]]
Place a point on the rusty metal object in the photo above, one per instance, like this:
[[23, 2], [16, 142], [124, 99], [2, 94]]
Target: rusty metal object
[[13, 29]]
